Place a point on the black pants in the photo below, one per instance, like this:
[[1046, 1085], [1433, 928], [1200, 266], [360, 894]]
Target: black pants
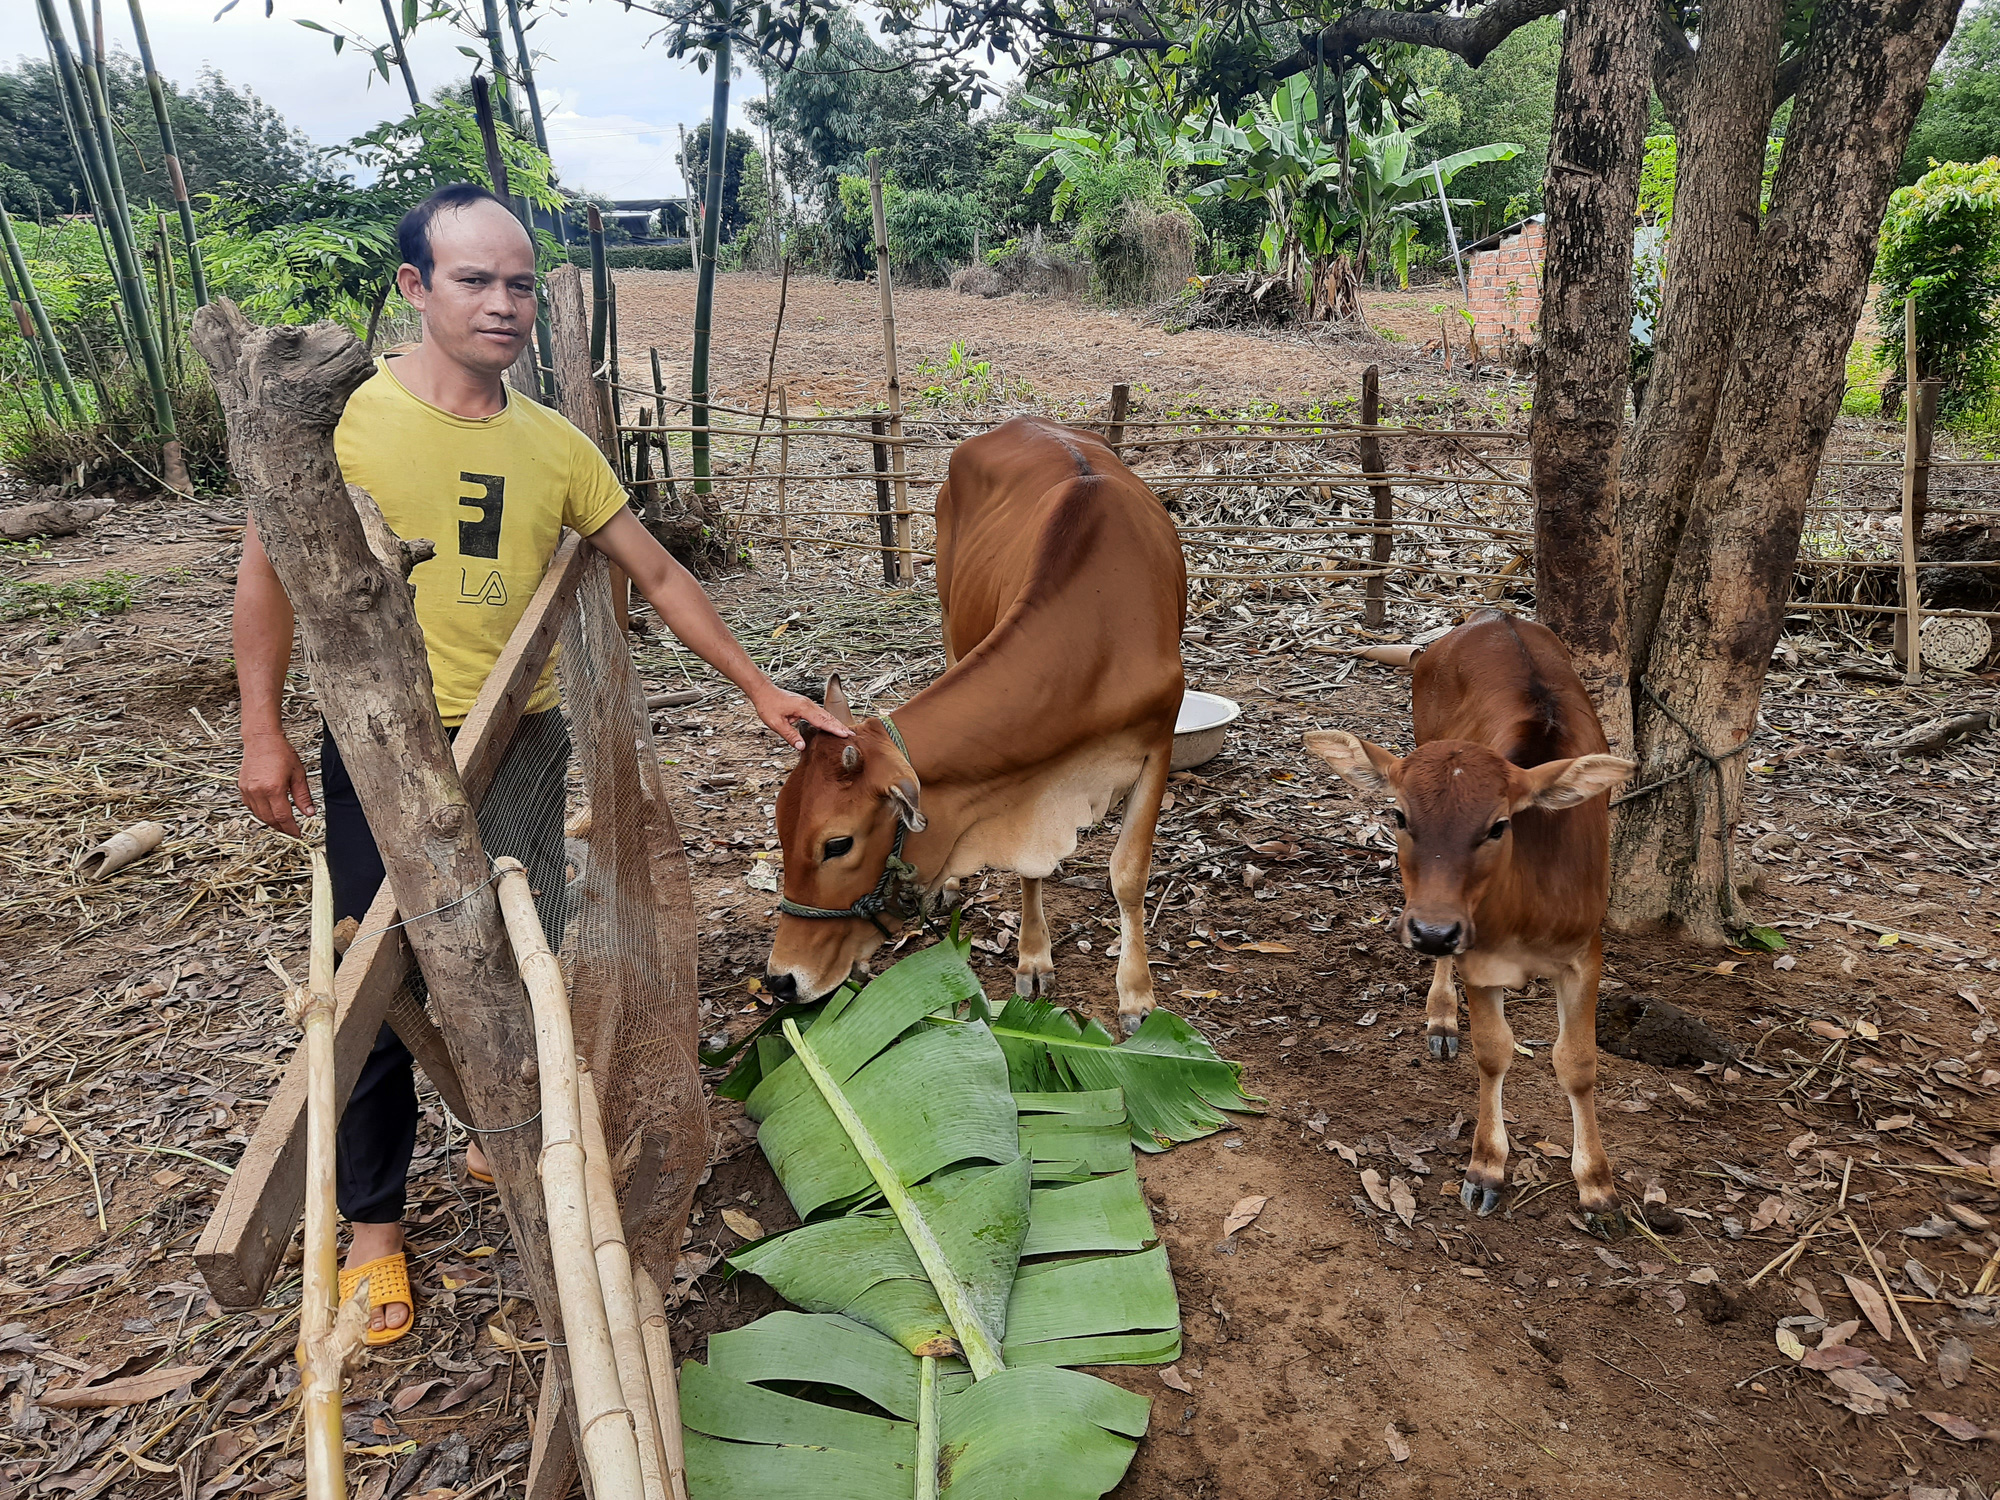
[[522, 816]]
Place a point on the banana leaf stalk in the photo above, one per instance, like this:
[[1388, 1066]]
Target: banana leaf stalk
[[980, 1345], [927, 1430], [610, 1446], [197, 277], [666, 1389], [621, 1303], [45, 335], [328, 1337]]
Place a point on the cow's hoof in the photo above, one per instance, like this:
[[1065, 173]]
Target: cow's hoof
[[1606, 1223], [1444, 1046], [1034, 986], [1481, 1201], [1129, 1021]]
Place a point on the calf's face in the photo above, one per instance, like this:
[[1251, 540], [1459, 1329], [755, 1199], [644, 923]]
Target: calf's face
[[838, 815], [1454, 806]]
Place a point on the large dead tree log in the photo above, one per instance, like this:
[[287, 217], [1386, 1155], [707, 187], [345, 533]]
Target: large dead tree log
[[282, 391]]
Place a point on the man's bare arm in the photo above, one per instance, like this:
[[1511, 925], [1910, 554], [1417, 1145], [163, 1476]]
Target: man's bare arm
[[272, 781], [690, 615]]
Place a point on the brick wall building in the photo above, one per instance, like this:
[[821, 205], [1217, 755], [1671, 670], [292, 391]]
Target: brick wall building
[[1503, 276]]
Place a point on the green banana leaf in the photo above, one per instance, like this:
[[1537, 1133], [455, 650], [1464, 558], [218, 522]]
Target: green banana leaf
[[1176, 1085], [1051, 1433]]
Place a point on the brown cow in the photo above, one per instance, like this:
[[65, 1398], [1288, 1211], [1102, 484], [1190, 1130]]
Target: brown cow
[[1064, 594], [1503, 823]]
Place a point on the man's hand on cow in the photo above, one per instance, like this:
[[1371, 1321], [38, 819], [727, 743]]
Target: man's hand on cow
[[782, 712], [273, 783]]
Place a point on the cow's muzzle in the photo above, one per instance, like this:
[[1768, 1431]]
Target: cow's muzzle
[[1436, 939]]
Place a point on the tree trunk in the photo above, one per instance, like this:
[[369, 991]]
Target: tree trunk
[[1722, 117], [1590, 193], [1859, 91]]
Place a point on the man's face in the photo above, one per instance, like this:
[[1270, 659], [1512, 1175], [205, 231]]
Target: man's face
[[479, 310]]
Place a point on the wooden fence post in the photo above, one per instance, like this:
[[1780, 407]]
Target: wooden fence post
[[1114, 431], [906, 561], [883, 514], [282, 392], [1916, 494], [1374, 608], [784, 463]]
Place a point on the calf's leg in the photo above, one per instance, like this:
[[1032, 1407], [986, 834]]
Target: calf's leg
[[1036, 973], [1131, 863], [1492, 1049], [1576, 1070], [1441, 1012]]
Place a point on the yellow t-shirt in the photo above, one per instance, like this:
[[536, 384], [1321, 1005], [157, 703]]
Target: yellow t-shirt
[[493, 495]]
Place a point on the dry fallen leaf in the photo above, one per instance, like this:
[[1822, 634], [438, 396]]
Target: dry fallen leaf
[[1828, 1030], [743, 1224], [473, 1386], [1262, 947], [1346, 1152], [1371, 1182], [1896, 1122], [1809, 1298], [1789, 1344], [1958, 1427], [1799, 1143], [1706, 1276], [130, 1391], [1838, 1333], [1954, 1361], [1552, 1150], [1245, 1213], [1172, 1378], [1402, 1200], [1838, 1357], [1771, 1211], [411, 1394], [1868, 1029], [1398, 1449], [1869, 1300], [169, 1179]]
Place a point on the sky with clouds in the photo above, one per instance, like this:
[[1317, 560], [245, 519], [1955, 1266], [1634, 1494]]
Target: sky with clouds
[[611, 95]]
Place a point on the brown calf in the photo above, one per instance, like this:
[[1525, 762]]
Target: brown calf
[[1064, 594], [1503, 838]]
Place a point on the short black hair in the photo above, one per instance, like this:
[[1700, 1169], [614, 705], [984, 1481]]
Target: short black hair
[[413, 230]]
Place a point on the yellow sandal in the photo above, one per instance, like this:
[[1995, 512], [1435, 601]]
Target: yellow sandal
[[388, 1282]]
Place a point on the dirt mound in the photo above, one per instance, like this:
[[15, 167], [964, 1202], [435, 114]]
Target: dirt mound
[[1035, 266], [1962, 588]]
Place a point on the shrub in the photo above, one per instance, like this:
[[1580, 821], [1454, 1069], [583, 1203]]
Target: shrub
[[638, 257], [1030, 264], [1941, 246], [930, 232]]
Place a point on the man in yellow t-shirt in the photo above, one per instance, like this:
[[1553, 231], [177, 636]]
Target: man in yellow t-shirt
[[491, 479]]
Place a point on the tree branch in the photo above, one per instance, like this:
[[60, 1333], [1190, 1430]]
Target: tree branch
[[1472, 37], [1673, 65]]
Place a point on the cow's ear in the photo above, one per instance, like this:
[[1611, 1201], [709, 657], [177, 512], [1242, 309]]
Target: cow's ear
[[835, 699], [1365, 766], [1565, 783], [903, 797]]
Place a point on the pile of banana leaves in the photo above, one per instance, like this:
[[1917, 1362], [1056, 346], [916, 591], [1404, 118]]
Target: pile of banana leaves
[[972, 1231]]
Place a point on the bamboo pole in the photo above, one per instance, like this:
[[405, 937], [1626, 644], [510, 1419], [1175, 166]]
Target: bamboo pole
[[771, 364], [1374, 607], [402, 54], [784, 463], [711, 231], [607, 1437], [524, 374], [666, 1388], [905, 562], [44, 330], [329, 1334], [527, 67], [621, 1304], [496, 53], [1913, 609], [197, 276]]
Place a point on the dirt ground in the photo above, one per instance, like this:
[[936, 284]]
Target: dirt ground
[[1514, 1355], [1056, 354]]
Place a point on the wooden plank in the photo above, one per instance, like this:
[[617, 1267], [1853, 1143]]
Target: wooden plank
[[552, 1466], [259, 1208]]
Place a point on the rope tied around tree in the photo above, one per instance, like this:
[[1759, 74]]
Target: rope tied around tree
[[1705, 756]]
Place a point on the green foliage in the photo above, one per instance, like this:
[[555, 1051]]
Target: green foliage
[[1509, 96], [30, 599], [1941, 247], [735, 155], [1961, 115], [225, 135], [930, 232]]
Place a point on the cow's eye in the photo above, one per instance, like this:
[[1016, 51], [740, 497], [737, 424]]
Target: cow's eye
[[1497, 829], [1397, 814], [837, 847]]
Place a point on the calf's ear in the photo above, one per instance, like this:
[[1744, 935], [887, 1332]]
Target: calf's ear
[[903, 797], [1565, 783], [835, 699], [1365, 766]]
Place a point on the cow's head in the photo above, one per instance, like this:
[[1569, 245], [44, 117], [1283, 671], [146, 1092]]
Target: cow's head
[[1455, 803], [839, 815]]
